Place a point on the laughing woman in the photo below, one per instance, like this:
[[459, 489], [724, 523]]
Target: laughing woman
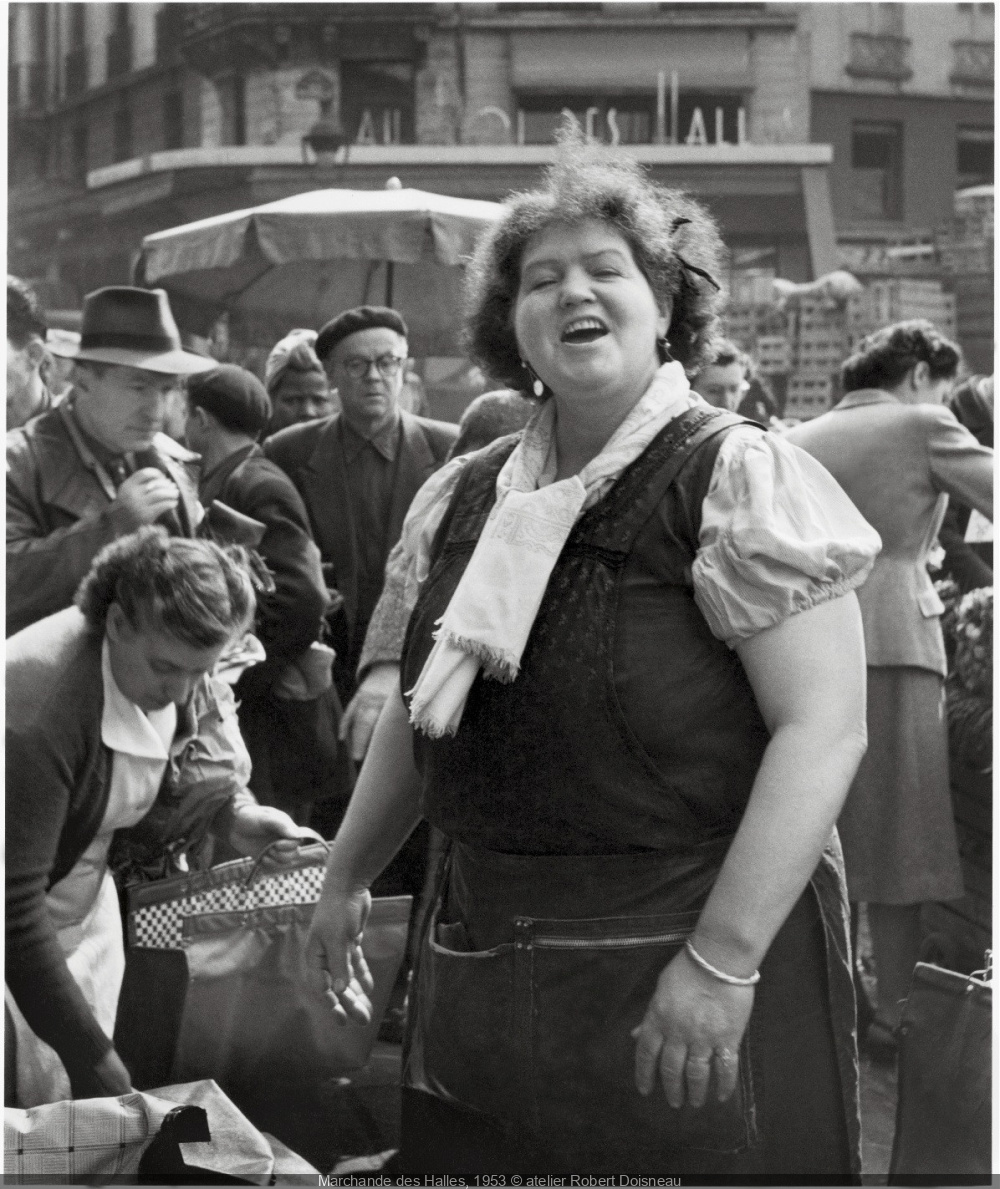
[[636, 723]]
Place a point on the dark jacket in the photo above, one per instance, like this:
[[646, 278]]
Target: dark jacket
[[289, 619], [59, 516], [310, 455], [58, 779], [970, 565]]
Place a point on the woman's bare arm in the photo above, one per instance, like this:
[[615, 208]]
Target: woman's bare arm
[[808, 675]]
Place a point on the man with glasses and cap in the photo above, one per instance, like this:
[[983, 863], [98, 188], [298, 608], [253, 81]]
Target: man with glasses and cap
[[358, 470], [98, 466]]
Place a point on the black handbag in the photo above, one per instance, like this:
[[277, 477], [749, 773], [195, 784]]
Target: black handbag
[[943, 1113]]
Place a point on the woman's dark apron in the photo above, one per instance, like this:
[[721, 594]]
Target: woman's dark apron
[[581, 857]]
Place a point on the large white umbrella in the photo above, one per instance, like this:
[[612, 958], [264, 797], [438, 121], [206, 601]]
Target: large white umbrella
[[302, 260]]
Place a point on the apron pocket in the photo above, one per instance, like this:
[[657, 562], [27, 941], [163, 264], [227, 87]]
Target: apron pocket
[[461, 1040], [591, 985]]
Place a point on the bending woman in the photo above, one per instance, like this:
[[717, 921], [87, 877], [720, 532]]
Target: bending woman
[[637, 724], [114, 723]]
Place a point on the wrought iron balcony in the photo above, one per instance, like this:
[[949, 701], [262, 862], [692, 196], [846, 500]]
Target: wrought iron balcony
[[972, 63], [879, 55]]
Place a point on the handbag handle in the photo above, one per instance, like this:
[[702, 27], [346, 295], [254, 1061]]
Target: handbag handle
[[986, 974], [263, 855]]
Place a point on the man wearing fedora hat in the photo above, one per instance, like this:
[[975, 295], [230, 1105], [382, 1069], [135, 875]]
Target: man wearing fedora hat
[[98, 466]]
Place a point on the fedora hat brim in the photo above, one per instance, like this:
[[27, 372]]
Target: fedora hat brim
[[168, 363]]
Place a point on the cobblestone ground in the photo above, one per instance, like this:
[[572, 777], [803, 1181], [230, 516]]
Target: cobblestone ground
[[878, 1119], [878, 1086]]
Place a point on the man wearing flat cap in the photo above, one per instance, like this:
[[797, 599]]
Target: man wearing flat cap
[[358, 470], [98, 466]]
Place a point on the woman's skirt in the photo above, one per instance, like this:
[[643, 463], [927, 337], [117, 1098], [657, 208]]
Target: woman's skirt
[[533, 973], [897, 826]]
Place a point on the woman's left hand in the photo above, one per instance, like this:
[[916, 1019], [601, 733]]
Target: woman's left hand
[[255, 827], [691, 1035]]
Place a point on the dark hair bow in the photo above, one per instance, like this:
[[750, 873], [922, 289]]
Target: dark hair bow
[[687, 265]]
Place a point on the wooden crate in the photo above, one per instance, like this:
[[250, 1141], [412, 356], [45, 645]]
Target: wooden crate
[[773, 353], [809, 394]]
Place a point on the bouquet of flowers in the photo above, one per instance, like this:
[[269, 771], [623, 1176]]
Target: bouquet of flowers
[[968, 626], [974, 642]]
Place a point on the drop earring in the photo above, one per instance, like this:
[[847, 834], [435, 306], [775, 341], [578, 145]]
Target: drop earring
[[663, 349], [537, 386]]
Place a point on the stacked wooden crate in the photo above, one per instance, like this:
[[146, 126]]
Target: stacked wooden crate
[[965, 253], [965, 243], [899, 299], [800, 348], [819, 344]]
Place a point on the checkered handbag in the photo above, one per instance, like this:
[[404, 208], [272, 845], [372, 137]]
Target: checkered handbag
[[157, 910]]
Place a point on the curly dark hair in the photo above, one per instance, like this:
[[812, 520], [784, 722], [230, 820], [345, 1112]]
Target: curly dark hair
[[660, 226], [195, 590], [25, 319], [884, 358]]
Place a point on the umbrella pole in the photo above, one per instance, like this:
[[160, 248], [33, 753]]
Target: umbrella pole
[[388, 283]]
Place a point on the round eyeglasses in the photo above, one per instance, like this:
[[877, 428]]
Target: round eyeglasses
[[387, 365]]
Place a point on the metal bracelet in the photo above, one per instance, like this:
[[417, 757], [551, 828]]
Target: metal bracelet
[[721, 975]]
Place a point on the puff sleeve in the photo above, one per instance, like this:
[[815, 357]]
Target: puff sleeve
[[778, 536]]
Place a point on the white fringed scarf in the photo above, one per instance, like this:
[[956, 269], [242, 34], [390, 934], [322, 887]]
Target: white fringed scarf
[[487, 623]]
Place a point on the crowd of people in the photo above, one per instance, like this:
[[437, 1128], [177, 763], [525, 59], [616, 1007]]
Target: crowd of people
[[655, 676]]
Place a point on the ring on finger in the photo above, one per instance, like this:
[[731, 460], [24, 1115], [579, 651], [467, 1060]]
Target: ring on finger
[[726, 1056], [703, 1061]]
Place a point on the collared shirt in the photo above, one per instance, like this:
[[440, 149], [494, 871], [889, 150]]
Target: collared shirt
[[140, 744], [370, 470]]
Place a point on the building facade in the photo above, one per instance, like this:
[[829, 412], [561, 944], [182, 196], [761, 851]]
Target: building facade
[[904, 95], [798, 124]]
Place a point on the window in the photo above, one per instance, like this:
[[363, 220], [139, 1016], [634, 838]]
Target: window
[[886, 19], [974, 165], [977, 20], [119, 43], [123, 133], [877, 170], [232, 92], [377, 102], [173, 119], [76, 25], [79, 151]]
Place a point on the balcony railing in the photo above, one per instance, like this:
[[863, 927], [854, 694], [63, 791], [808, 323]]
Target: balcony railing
[[76, 73], [879, 55], [972, 62], [119, 53]]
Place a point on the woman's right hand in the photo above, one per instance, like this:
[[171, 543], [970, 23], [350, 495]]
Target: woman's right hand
[[107, 1079], [333, 947], [690, 1035]]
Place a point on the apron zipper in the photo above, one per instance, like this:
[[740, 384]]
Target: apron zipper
[[575, 943]]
